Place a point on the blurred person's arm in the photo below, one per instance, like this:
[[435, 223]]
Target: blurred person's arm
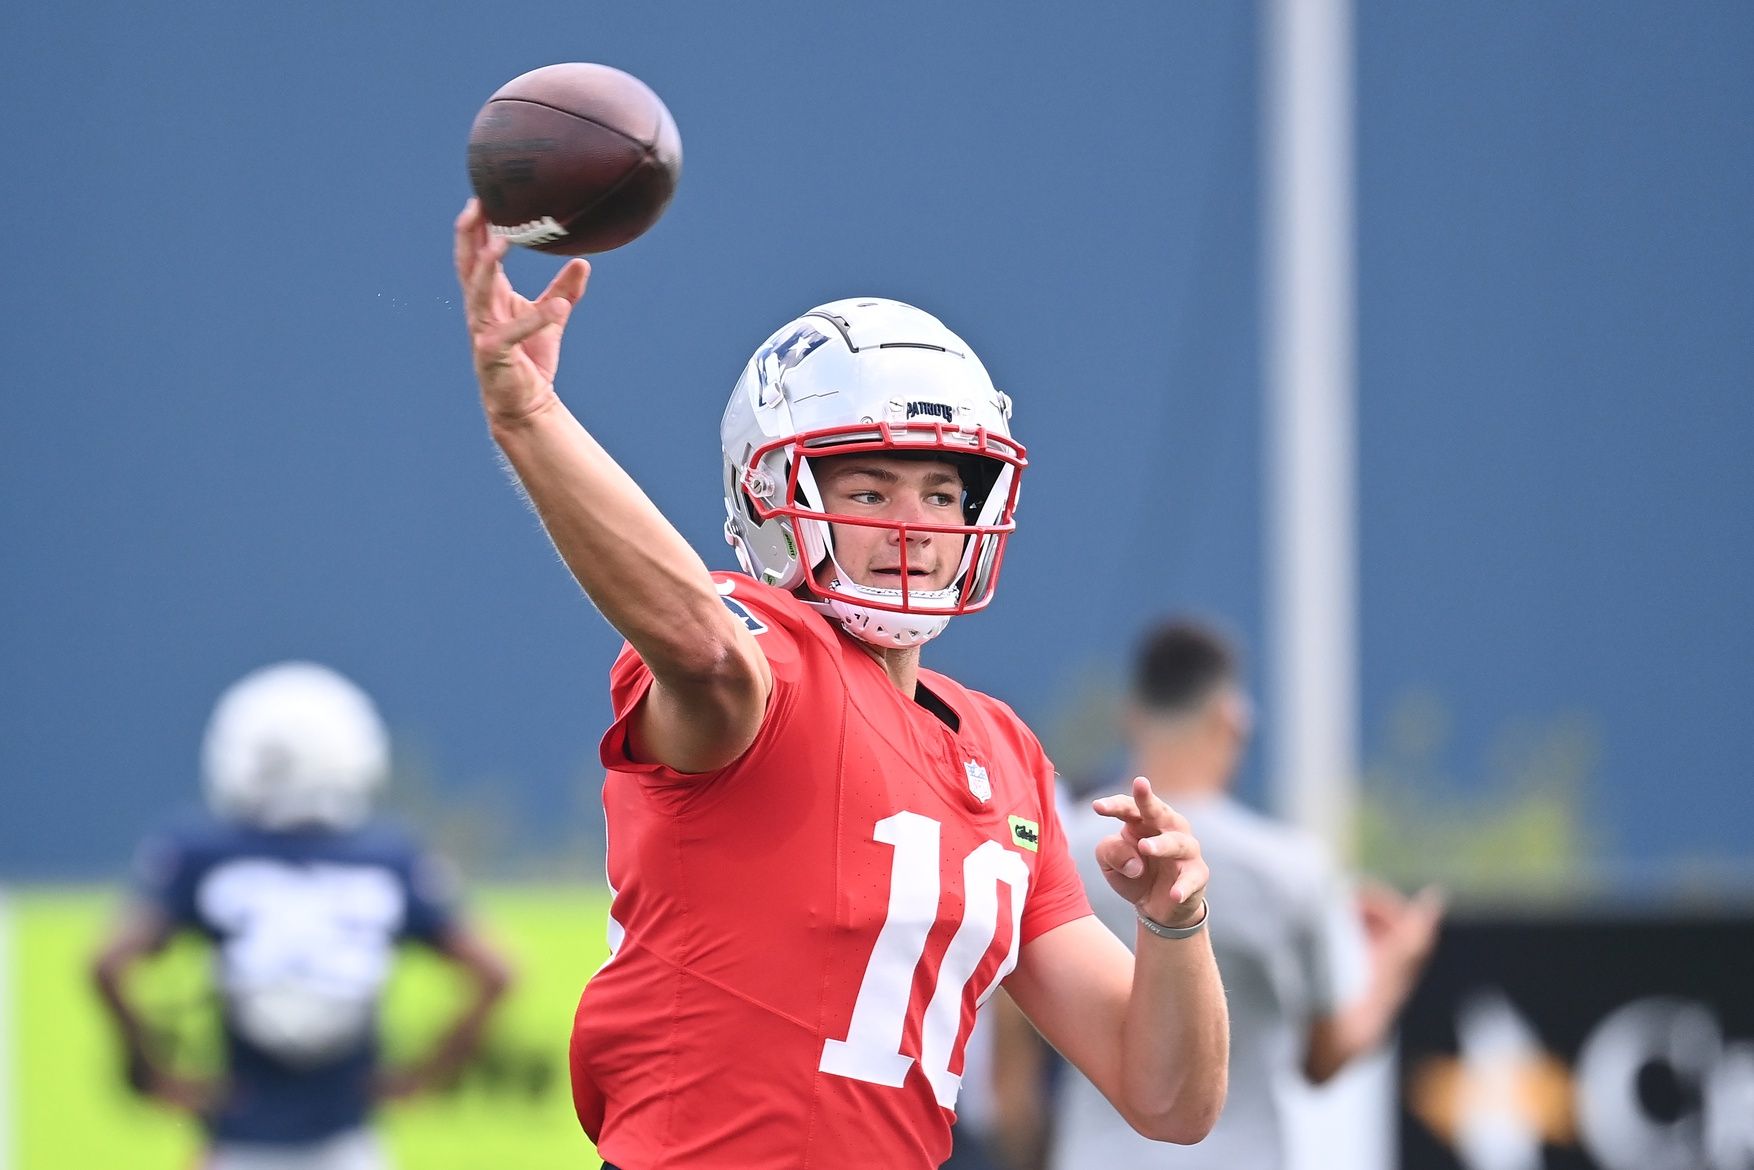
[[140, 933], [1021, 1106], [1399, 934], [490, 976]]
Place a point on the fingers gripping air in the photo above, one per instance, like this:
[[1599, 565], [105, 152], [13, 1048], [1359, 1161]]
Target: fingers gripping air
[[1154, 860]]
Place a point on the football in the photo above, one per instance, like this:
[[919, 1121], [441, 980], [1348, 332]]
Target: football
[[574, 158]]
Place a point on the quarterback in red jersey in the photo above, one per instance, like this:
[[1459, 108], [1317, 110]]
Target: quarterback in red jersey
[[870, 873], [825, 857]]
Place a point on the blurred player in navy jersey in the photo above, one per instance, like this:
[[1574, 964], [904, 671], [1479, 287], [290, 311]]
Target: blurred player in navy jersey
[[824, 856], [1316, 970], [304, 899]]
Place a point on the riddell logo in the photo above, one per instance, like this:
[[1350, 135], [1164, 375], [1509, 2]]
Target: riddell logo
[[935, 409], [1655, 1086], [537, 231]]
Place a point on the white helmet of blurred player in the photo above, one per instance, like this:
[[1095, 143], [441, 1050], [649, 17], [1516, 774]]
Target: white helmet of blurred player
[[866, 375], [292, 745]]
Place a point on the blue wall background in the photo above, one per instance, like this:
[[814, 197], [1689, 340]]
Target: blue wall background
[[240, 423]]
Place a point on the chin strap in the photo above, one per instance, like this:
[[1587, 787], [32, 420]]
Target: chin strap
[[884, 628], [881, 627]]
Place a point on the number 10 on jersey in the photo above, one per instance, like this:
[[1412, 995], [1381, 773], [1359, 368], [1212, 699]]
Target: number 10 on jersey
[[872, 1048]]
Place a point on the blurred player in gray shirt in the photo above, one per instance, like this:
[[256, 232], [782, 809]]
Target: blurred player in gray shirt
[[1315, 970]]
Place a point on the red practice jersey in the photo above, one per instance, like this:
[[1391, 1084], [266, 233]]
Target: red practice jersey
[[802, 938]]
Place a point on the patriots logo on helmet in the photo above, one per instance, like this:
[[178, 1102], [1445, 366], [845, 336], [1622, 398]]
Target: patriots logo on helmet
[[777, 357]]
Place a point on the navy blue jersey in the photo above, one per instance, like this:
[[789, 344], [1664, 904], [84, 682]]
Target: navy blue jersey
[[304, 926]]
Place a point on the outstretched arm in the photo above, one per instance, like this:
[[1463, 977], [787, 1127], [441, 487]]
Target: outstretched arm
[[489, 977], [1400, 933], [711, 679], [1150, 1029]]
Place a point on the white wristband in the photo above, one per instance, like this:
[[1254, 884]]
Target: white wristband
[[1162, 931]]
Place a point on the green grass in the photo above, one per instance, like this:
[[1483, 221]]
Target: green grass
[[512, 1109]]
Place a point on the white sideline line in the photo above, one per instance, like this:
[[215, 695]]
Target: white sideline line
[[8, 1041]]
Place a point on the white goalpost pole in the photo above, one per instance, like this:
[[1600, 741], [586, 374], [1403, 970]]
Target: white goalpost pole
[[1309, 366], [1311, 556]]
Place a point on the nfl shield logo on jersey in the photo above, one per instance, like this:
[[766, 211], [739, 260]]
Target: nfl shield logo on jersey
[[977, 781]]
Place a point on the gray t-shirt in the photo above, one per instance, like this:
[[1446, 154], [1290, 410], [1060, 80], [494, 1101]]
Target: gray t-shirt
[[1289, 946]]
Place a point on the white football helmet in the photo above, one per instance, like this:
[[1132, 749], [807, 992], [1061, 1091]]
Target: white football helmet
[[866, 374], [292, 745]]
